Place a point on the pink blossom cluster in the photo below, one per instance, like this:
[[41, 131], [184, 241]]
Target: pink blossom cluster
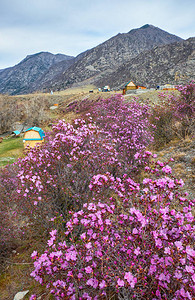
[[182, 106], [126, 124], [55, 177], [135, 240]]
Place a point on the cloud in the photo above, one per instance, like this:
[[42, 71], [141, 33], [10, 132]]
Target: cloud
[[73, 26]]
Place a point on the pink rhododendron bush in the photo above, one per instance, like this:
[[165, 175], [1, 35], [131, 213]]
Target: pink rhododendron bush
[[54, 178], [132, 240], [111, 234], [126, 124], [174, 115]]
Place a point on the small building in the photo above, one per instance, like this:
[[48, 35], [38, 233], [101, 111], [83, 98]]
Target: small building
[[130, 86], [106, 88], [169, 87], [33, 136], [141, 87], [166, 87]]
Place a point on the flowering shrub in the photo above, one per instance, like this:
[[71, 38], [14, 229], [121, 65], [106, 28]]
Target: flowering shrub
[[136, 241], [185, 109], [126, 124], [124, 238], [54, 178], [175, 115], [186, 104]]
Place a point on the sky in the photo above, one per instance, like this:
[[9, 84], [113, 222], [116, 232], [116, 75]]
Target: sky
[[73, 26]]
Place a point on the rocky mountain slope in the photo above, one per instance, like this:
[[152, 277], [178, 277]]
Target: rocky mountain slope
[[173, 63], [19, 79], [109, 55], [44, 70]]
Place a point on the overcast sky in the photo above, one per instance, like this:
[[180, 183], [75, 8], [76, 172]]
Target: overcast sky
[[73, 26]]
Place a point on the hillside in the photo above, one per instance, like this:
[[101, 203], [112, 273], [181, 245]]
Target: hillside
[[43, 71], [172, 63], [18, 79], [109, 55]]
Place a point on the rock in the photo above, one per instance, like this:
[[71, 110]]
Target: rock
[[20, 295], [53, 107]]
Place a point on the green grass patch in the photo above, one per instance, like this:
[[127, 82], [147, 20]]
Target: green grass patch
[[10, 150]]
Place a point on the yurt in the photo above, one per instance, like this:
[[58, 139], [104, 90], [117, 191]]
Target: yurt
[[33, 136]]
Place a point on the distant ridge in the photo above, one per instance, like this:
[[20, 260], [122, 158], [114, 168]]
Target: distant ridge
[[172, 63], [19, 79], [100, 61], [44, 71]]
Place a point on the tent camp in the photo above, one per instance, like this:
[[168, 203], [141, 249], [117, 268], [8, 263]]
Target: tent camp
[[33, 136]]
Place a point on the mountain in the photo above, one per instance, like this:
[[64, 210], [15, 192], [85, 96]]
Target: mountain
[[18, 79], [173, 63], [43, 71], [108, 56]]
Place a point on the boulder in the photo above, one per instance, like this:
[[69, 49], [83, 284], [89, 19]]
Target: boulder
[[20, 295]]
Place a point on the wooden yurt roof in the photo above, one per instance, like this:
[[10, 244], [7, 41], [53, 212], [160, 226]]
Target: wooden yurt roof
[[130, 83]]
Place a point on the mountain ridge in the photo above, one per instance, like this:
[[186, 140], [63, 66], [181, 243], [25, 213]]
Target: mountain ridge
[[110, 55], [19, 78], [93, 65], [172, 63]]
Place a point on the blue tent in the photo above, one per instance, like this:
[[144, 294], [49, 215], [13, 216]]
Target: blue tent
[[16, 132]]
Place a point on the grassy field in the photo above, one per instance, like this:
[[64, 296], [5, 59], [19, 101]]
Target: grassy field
[[10, 150]]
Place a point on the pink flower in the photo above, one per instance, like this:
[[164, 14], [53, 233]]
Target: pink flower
[[34, 254], [136, 155], [80, 275], [189, 269], [137, 251], [120, 282], [53, 232], [162, 277], [152, 269], [50, 242], [178, 244], [88, 270], [88, 245], [83, 236], [93, 282], [102, 284], [181, 182], [182, 292], [130, 278], [158, 242], [167, 250], [167, 169], [135, 231], [178, 274], [190, 251]]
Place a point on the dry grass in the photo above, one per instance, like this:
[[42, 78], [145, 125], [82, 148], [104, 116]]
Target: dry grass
[[16, 277], [179, 156]]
